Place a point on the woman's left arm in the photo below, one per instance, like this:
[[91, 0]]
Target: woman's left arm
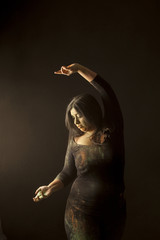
[[85, 72], [112, 111]]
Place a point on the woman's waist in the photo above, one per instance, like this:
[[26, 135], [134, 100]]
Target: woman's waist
[[93, 185], [91, 191]]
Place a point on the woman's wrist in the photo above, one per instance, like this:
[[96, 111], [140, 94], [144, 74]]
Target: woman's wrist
[[55, 185], [77, 67], [85, 72], [80, 68]]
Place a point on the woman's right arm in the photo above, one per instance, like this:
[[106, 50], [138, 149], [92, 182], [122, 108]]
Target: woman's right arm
[[45, 191], [67, 175], [69, 171]]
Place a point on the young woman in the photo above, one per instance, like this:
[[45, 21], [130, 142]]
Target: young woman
[[94, 162]]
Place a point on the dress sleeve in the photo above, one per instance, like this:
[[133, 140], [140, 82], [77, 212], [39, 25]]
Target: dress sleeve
[[69, 172], [112, 111], [113, 117]]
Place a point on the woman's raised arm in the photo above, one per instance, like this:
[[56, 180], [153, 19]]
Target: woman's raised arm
[[85, 72], [112, 111]]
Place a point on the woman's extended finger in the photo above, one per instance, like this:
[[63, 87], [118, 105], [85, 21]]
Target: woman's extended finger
[[58, 72], [35, 199]]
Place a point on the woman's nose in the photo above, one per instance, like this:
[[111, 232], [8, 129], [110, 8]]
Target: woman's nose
[[76, 120]]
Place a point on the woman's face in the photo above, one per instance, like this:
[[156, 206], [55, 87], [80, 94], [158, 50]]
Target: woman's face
[[79, 121]]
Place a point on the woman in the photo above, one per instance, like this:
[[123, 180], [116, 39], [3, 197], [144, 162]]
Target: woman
[[94, 162]]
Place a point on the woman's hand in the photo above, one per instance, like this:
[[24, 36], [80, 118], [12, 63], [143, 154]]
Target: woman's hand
[[42, 193], [68, 70], [86, 73]]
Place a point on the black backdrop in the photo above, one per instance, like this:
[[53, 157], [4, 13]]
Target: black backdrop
[[120, 41]]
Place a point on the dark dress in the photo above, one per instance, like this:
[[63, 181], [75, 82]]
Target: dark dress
[[95, 209]]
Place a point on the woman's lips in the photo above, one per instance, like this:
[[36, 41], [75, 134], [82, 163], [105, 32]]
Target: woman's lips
[[80, 126]]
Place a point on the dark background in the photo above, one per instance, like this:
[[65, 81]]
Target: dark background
[[120, 41]]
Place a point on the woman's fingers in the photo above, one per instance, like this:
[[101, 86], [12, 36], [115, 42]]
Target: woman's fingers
[[39, 189], [65, 70], [62, 71], [39, 196], [58, 72], [41, 193], [35, 199]]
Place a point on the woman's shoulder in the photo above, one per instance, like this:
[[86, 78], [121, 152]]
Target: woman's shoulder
[[103, 135]]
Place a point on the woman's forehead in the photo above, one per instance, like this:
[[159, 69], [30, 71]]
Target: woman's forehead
[[73, 111]]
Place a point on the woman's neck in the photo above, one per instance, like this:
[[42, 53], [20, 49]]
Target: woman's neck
[[89, 133]]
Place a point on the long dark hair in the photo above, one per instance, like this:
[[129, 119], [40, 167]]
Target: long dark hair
[[89, 108]]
